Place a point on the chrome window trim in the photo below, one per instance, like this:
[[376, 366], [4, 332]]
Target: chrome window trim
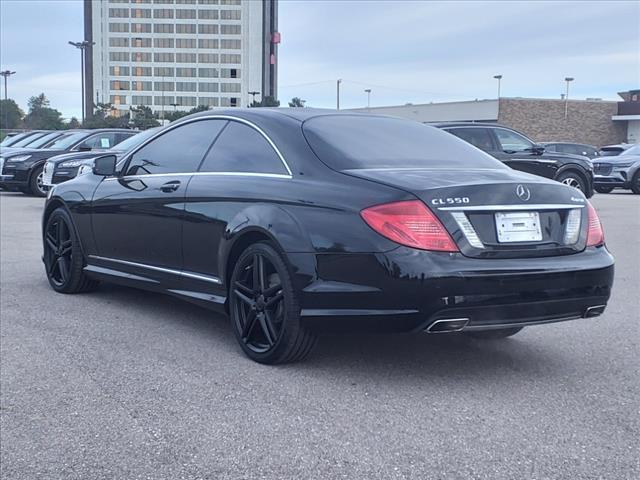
[[492, 208], [205, 278], [201, 174], [217, 117]]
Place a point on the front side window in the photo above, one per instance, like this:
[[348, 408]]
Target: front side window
[[102, 140], [512, 142], [478, 137], [242, 149], [180, 150]]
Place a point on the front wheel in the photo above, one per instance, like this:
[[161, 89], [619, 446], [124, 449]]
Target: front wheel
[[635, 183], [264, 308], [495, 334], [36, 183], [604, 189], [572, 179], [63, 257]]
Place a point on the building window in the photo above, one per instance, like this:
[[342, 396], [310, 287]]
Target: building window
[[230, 29], [186, 28], [182, 14], [119, 12], [208, 28], [231, 44], [230, 73], [118, 42], [141, 42], [163, 100], [140, 13], [162, 13], [208, 57], [230, 14], [141, 100], [118, 99], [185, 72], [208, 101], [140, 1], [185, 57], [141, 28], [186, 86], [118, 27], [163, 57], [230, 58], [141, 71], [229, 2], [208, 73], [186, 101], [208, 2], [185, 43], [163, 2], [119, 85], [186, 2], [208, 14], [208, 87], [163, 28], [163, 42], [207, 43], [164, 86], [119, 71], [141, 85], [163, 72], [140, 56], [229, 102], [118, 56], [230, 87]]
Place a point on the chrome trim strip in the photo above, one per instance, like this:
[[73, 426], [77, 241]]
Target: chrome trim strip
[[201, 174], [159, 269], [215, 117], [475, 328], [492, 208]]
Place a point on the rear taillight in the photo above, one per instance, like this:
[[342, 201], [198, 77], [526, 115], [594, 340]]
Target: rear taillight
[[409, 223], [595, 234]]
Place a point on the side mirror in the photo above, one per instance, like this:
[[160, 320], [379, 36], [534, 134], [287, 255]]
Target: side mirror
[[84, 148], [537, 149], [105, 165]]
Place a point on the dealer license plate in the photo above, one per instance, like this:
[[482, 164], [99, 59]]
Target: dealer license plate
[[518, 227]]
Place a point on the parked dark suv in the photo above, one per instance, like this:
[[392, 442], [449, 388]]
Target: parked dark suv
[[521, 153], [573, 148]]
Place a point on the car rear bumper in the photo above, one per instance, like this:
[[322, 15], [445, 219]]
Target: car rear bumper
[[410, 290]]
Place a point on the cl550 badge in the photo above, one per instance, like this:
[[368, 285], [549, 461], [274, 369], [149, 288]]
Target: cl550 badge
[[450, 201]]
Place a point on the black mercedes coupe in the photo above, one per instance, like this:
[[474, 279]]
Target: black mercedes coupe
[[301, 221]]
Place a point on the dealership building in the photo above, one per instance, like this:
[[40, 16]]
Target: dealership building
[[179, 54], [592, 121]]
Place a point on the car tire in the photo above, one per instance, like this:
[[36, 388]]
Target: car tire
[[63, 257], [635, 183], [494, 334], [264, 308], [573, 179], [604, 189], [36, 187]]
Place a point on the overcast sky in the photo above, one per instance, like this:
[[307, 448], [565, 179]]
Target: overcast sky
[[414, 52]]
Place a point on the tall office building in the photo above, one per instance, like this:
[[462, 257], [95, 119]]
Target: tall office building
[[179, 54]]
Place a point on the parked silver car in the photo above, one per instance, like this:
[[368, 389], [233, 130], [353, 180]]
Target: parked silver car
[[620, 171]]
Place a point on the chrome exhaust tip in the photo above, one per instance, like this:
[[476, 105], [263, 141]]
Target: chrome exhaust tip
[[447, 325], [594, 311]]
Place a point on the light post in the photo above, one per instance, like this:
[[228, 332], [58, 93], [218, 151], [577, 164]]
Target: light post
[[253, 96], [6, 74], [368, 92], [498, 77], [566, 97], [339, 81], [82, 46]]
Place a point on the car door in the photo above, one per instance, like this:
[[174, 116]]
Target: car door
[[137, 215], [517, 151]]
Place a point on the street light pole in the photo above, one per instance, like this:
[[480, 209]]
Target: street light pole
[[82, 46], [498, 77], [338, 93], [368, 92], [566, 97], [6, 74]]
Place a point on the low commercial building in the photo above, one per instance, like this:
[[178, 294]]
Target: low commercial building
[[591, 121]]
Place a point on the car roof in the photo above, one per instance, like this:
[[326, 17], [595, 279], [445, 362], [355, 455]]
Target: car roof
[[466, 124], [294, 113], [567, 143]]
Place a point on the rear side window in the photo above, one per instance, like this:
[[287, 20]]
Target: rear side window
[[101, 140], [346, 142], [242, 149], [476, 136], [512, 141], [180, 150]]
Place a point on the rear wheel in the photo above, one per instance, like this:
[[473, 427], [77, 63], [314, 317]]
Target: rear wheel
[[495, 334], [36, 183], [604, 189], [63, 257], [573, 179], [635, 183], [265, 312]]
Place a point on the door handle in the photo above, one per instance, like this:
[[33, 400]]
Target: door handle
[[170, 186]]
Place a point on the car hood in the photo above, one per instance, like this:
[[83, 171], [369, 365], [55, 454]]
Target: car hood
[[619, 159], [11, 151]]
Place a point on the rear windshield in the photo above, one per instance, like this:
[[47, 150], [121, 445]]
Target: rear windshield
[[44, 140], [29, 140], [66, 141], [347, 142], [11, 139]]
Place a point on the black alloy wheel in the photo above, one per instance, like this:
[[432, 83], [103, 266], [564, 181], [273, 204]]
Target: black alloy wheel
[[36, 182], [635, 183], [603, 189], [496, 334], [265, 312], [572, 179], [63, 257]]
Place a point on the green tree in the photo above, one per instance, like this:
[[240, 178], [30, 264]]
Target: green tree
[[142, 117], [177, 114], [104, 116], [42, 116], [10, 114], [266, 102], [297, 102], [73, 123]]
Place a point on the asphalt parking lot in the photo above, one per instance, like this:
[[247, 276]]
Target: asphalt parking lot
[[125, 384]]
